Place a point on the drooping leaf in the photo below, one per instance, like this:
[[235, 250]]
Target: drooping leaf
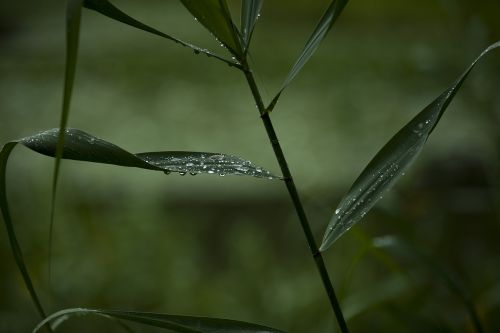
[[106, 8], [400, 247], [82, 146], [250, 12], [391, 162], [214, 15], [322, 28], [14, 244], [182, 324]]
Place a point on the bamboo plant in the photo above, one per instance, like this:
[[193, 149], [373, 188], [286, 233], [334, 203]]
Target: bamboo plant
[[69, 143]]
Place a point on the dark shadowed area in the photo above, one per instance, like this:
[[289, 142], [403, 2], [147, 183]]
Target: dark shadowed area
[[232, 247]]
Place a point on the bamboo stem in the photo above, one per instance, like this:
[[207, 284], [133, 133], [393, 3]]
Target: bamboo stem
[[292, 190]]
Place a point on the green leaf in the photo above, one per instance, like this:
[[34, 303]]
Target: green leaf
[[82, 146], [322, 28], [214, 15], [391, 162], [250, 12], [183, 324], [14, 244], [106, 8]]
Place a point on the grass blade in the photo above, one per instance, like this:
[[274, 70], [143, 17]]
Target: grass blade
[[106, 8], [182, 324], [250, 12], [73, 17], [14, 244], [214, 15], [82, 146], [452, 281], [322, 28], [391, 162]]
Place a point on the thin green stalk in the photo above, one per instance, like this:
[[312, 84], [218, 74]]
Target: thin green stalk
[[292, 190]]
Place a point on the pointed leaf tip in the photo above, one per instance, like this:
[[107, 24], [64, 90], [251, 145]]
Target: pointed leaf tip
[[214, 15], [250, 12], [81, 146], [390, 163]]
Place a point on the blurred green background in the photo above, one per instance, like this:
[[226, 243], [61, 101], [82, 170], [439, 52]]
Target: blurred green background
[[232, 247]]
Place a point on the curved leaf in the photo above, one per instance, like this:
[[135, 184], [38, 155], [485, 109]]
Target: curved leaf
[[14, 244], [214, 15], [322, 28], [183, 324], [82, 146], [250, 12], [391, 162], [106, 8]]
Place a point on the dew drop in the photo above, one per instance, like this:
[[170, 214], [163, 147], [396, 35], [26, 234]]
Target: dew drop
[[167, 172], [337, 211], [196, 51], [182, 173], [193, 173], [222, 174]]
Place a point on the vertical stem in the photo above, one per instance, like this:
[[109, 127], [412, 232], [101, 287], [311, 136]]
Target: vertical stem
[[292, 190]]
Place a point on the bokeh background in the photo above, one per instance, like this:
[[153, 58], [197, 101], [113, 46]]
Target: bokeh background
[[232, 247]]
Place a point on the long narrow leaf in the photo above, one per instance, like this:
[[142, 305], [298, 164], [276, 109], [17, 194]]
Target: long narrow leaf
[[322, 28], [182, 324], [250, 12], [106, 8], [73, 17], [14, 244], [391, 162], [82, 146], [214, 15]]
